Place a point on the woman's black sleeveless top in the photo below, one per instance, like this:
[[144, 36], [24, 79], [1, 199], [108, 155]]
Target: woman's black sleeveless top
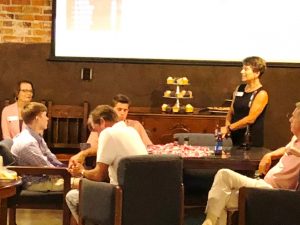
[[241, 106]]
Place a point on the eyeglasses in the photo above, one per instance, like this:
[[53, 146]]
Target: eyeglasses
[[26, 90]]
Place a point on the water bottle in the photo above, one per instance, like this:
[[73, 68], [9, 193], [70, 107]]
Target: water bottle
[[219, 141], [186, 141], [247, 139], [176, 141]]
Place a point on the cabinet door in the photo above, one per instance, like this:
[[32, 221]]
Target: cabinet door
[[161, 128], [203, 124]]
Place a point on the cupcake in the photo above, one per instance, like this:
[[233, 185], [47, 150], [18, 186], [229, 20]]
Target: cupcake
[[179, 81], [175, 108], [185, 80], [182, 94], [167, 93], [170, 80], [169, 109], [189, 108], [164, 107]]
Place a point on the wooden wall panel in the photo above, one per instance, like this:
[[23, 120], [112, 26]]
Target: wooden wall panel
[[143, 83]]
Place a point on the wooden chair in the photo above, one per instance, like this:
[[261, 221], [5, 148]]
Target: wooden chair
[[31, 199], [67, 128], [150, 191]]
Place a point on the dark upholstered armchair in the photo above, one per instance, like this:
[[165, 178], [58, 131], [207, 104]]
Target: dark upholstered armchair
[[31, 199], [150, 192], [269, 207]]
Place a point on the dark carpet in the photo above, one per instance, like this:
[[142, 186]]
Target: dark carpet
[[193, 216]]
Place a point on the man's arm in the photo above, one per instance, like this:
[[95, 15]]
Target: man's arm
[[99, 173], [142, 132], [80, 156], [31, 156], [4, 126], [266, 161], [92, 151]]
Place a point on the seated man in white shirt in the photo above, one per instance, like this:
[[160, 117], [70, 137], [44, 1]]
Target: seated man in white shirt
[[117, 140], [284, 175], [121, 105]]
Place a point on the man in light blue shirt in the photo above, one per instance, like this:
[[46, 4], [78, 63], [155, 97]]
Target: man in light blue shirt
[[30, 149]]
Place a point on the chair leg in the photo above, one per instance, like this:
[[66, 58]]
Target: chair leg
[[66, 215], [12, 216], [232, 217], [73, 221]]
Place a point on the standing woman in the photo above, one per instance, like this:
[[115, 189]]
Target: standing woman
[[249, 105], [11, 119]]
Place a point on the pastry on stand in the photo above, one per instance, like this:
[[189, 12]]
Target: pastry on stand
[[178, 82], [189, 108]]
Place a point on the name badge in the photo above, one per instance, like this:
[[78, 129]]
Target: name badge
[[12, 118], [239, 94]]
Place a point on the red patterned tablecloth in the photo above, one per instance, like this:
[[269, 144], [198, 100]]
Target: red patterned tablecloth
[[182, 150]]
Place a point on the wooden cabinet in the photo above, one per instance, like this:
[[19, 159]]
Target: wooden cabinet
[[161, 127]]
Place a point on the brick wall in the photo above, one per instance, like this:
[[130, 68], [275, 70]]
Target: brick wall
[[25, 21]]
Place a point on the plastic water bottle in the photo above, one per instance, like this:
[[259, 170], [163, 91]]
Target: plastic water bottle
[[247, 139], [186, 141], [176, 141], [219, 141]]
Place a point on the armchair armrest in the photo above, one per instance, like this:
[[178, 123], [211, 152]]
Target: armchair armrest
[[96, 202], [30, 170], [259, 206], [49, 200]]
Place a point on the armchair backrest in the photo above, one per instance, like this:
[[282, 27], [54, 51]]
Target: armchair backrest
[[152, 188], [5, 146], [259, 206], [67, 126]]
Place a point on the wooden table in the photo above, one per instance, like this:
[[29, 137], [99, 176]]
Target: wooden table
[[7, 189], [202, 157], [235, 159]]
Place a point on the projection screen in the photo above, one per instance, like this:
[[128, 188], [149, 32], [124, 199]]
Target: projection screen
[[176, 31]]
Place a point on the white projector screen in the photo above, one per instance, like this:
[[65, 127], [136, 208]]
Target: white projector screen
[[176, 30]]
